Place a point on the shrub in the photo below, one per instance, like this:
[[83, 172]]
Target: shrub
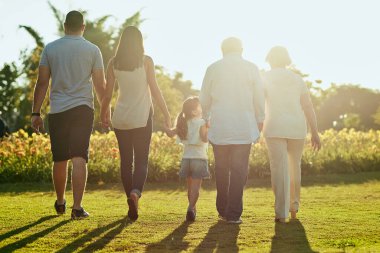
[[26, 158]]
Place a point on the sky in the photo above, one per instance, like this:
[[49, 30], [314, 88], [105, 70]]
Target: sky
[[336, 41]]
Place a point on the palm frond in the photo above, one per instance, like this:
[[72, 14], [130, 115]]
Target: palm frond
[[34, 34], [100, 21], [134, 20], [59, 17]]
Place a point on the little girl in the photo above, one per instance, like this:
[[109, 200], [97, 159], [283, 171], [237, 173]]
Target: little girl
[[191, 130]]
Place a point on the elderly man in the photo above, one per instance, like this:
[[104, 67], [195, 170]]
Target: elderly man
[[232, 99], [74, 66]]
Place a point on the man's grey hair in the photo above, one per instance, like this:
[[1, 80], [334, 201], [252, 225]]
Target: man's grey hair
[[232, 45]]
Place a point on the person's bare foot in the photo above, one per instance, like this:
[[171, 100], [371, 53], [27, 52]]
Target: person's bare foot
[[293, 214]]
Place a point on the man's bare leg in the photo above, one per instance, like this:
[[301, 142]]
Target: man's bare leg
[[60, 180], [78, 180]]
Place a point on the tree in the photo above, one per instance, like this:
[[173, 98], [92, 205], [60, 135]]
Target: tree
[[10, 94], [172, 96], [185, 87], [376, 116], [351, 104]]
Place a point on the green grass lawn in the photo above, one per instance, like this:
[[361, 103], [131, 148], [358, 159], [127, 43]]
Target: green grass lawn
[[339, 213]]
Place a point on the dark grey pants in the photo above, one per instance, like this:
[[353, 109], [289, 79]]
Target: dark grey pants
[[134, 149], [231, 172]]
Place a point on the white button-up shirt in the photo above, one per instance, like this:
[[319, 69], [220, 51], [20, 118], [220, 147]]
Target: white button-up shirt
[[232, 97]]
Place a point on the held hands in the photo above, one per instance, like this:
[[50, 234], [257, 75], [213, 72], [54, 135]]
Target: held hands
[[105, 117], [37, 124], [315, 141], [168, 127]]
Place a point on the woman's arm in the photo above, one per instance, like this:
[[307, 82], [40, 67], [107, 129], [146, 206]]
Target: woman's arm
[[105, 114], [308, 110], [155, 90]]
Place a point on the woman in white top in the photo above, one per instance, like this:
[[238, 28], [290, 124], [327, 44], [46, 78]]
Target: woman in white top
[[132, 116], [288, 106]]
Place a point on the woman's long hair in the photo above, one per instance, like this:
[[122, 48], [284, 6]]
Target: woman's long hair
[[189, 105], [130, 50]]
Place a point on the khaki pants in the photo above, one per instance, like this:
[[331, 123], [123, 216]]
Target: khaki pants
[[285, 165]]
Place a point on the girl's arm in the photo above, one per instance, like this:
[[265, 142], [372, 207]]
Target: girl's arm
[[105, 114], [155, 90], [203, 130]]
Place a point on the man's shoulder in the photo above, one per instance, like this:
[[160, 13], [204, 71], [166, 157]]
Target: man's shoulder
[[215, 64], [82, 41], [90, 44], [250, 64], [54, 43]]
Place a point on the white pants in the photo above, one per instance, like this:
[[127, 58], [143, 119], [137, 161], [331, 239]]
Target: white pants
[[285, 165]]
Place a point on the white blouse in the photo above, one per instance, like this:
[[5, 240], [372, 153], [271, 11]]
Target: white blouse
[[284, 117]]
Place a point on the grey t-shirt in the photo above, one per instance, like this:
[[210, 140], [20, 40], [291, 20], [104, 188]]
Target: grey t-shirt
[[71, 60]]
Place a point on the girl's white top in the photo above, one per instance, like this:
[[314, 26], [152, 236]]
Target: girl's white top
[[194, 147], [284, 117], [134, 100]]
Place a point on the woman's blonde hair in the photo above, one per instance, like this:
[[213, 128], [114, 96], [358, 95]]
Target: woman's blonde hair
[[278, 57]]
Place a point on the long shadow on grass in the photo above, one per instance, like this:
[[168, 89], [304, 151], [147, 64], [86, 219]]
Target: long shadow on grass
[[115, 229], [290, 237], [27, 240], [173, 242], [209, 185], [26, 227], [221, 237]]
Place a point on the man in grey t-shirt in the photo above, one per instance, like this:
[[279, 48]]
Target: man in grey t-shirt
[[74, 66]]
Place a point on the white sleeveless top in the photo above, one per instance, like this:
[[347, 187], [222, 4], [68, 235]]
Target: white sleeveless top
[[134, 100], [194, 147]]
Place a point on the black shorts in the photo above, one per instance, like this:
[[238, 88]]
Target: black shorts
[[70, 133]]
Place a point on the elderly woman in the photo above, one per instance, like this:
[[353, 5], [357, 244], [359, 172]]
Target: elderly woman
[[287, 105]]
